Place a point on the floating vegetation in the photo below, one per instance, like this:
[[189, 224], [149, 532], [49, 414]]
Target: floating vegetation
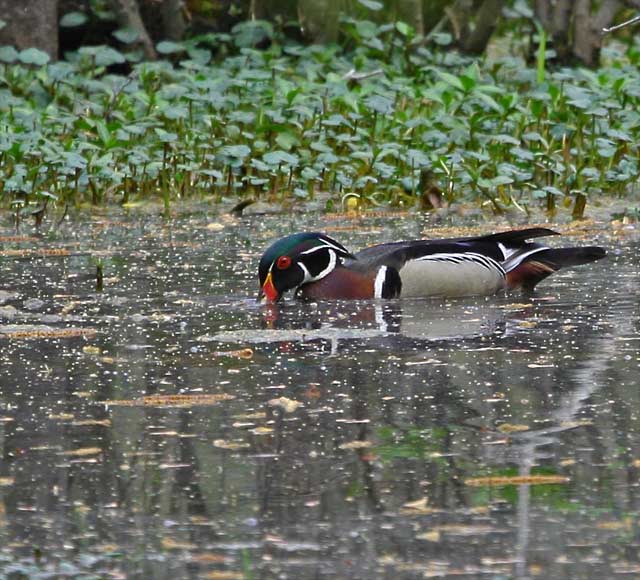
[[243, 353], [83, 452], [515, 480], [417, 124], [356, 445], [40, 333], [172, 400], [509, 428], [287, 405]]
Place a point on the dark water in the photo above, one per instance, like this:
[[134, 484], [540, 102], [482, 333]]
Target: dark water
[[348, 434]]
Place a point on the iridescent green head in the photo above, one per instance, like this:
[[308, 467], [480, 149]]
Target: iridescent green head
[[296, 260]]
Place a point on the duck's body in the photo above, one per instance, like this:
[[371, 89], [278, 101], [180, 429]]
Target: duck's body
[[317, 267]]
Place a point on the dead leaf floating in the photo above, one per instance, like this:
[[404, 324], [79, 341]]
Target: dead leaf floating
[[84, 452], [231, 445], [516, 480], [44, 333], [287, 405], [243, 353], [356, 445], [509, 428], [172, 400], [39, 253]]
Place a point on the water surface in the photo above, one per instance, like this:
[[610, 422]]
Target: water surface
[[327, 440]]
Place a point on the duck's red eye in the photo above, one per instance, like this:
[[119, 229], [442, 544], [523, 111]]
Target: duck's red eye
[[283, 262]]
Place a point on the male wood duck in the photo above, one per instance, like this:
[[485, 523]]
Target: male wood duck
[[317, 267]]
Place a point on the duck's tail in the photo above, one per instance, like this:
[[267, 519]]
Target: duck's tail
[[544, 262]]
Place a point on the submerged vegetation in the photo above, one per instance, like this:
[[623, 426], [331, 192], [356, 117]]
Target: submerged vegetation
[[388, 118]]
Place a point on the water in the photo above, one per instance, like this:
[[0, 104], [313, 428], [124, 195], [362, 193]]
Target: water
[[315, 441]]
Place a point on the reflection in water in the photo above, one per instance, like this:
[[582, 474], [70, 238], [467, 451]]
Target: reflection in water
[[347, 430], [420, 320]]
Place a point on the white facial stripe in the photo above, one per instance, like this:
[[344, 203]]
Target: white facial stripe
[[307, 274], [378, 285], [325, 246], [333, 259]]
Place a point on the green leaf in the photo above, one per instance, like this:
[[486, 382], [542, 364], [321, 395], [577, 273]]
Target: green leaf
[[275, 158], [165, 136], [371, 4], [169, 47], [416, 158], [126, 35], [236, 151], [442, 38], [33, 56], [489, 101], [452, 80], [8, 54], [73, 19], [287, 140], [494, 182], [380, 104], [103, 132], [366, 29], [404, 29], [251, 32]]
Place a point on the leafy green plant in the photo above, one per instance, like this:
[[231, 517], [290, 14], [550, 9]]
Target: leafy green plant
[[221, 119]]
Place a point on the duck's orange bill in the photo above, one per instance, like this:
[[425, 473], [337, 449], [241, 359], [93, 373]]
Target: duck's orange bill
[[269, 290]]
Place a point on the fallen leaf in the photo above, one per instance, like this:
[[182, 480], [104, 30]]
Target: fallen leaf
[[431, 361], [68, 308], [171, 544], [540, 366], [258, 415], [287, 405], [432, 536], [232, 445], [624, 524], [26, 253], [356, 445], [509, 428], [209, 558], [516, 480], [243, 353], [416, 507], [83, 452], [172, 400], [62, 417], [44, 333], [515, 306], [262, 430]]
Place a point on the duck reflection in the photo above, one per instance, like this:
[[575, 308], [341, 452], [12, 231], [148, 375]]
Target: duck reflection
[[408, 320]]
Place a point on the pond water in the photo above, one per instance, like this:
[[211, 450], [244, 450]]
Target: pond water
[[179, 430]]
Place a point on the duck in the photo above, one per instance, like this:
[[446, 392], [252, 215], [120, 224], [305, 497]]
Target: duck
[[316, 267]]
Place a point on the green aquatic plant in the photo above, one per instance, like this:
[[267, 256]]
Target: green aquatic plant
[[221, 119]]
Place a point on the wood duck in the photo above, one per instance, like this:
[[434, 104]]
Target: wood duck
[[317, 267]]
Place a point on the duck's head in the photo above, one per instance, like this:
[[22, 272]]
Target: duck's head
[[296, 260]]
